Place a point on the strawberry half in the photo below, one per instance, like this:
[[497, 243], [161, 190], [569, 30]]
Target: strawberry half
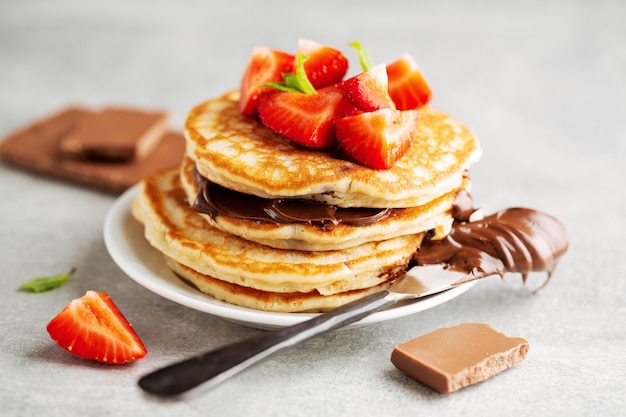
[[306, 119], [265, 65], [324, 66], [92, 327], [407, 87], [377, 139], [369, 90]]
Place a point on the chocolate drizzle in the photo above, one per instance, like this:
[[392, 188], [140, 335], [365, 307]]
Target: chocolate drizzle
[[513, 240], [215, 200]]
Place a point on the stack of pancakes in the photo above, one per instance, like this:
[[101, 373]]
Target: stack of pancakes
[[255, 220]]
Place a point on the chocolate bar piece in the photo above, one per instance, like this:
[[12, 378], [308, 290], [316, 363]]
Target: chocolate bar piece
[[451, 358], [119, 134], [36, 148]]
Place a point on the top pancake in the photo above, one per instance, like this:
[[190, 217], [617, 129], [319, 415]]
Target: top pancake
[[240, 153]]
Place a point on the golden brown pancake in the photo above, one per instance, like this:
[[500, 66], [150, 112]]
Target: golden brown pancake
[[290, 302], [240, 153]]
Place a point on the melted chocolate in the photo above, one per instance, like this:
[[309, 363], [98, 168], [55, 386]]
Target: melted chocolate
[[512, 240], [463, 206], [215, 200]]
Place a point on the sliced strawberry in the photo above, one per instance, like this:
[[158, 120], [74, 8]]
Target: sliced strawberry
[[369, 90], [265, 65], [407, 86], [92, 327], [345, 106], [306, 119], [377, 139], [324, 66]]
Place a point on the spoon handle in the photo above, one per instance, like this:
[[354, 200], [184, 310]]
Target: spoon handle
[[217, 366]]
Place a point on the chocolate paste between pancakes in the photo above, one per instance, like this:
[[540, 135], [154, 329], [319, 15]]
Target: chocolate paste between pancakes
[[214, 200], [513, 240]]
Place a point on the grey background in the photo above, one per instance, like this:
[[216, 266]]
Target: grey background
[[541, 83]]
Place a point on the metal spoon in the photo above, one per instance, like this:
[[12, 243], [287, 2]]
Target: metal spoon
[[212, 368]]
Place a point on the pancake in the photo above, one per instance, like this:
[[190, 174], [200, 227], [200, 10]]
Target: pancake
[[241, 154], [434, 215], [291, 302], [176, 230]]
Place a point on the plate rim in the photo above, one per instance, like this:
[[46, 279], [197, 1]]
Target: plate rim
[[173, 288]]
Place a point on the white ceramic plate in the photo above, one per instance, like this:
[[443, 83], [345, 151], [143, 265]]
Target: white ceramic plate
[[124, 239]]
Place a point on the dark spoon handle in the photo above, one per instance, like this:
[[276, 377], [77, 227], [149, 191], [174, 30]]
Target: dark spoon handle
[[217, 366]]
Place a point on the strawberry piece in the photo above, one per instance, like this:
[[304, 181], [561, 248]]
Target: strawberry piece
[[377, 139], [324, 66], [306, 119], [92, 327], [407, 87], [265, 65], [345, 106], [368, 90]]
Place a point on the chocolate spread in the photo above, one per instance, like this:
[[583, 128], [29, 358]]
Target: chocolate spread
[[512, 240], [215, 200]]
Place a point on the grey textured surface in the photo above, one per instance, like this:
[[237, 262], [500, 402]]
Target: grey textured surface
[[542, 84]]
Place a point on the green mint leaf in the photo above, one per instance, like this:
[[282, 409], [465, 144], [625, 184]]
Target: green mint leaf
[[292, 82], [364, 55], [282, 86], [302, 80], [47, 283], [297, 82]]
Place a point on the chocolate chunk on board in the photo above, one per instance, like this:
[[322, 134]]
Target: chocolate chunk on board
[[36, 148], [115, 133], [451, 358]]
